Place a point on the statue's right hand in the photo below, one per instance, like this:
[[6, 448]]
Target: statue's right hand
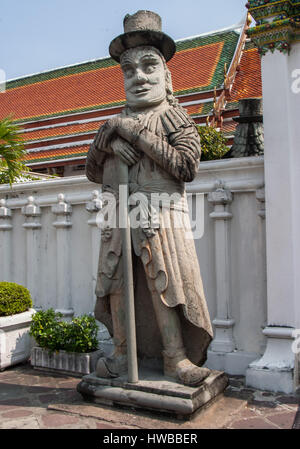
[[99, 137], [106, 133], [124, 151]]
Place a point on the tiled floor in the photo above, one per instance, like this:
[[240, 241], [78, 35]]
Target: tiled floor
[[31, 399]]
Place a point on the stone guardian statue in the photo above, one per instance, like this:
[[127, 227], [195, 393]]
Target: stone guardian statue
[[160, 144]]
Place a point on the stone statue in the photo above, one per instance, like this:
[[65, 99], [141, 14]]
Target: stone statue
[[159, 142]]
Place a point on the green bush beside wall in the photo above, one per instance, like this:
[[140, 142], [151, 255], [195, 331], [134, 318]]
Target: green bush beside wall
[[14, 298]]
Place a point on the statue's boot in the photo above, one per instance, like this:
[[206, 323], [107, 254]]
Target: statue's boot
[[116, 364], [176, 363], [178, 366]]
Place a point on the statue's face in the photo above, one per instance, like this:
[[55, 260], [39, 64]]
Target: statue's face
[[144, 77]]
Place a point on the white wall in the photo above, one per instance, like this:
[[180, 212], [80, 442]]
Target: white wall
[[37, 256]]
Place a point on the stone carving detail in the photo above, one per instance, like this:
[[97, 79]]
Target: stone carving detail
[[62, 210], [94, 205], [31, 212], [5, 216]]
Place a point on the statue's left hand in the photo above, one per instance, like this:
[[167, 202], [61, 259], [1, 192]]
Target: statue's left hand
[[124, 151], [129, 129], [125, 127]]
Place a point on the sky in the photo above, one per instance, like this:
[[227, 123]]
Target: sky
[[40, 35]]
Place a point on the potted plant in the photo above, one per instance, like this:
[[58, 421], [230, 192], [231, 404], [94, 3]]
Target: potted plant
[[15, 318], [67, 347]]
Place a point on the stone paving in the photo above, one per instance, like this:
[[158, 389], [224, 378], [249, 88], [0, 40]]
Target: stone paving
[[31, 399]]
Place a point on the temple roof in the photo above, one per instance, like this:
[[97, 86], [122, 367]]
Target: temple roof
[[60, 110]]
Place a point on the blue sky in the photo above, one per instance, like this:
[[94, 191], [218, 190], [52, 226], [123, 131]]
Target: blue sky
[[38, 35]]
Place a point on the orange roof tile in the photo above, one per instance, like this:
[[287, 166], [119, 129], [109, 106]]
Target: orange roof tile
[[61, 130], [229, 127], [81, 90], [248, 79], [197, 65], [56, 154]]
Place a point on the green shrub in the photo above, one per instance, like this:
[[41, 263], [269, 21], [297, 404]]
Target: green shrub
[[14, 298], [213, 143], [51, 332]]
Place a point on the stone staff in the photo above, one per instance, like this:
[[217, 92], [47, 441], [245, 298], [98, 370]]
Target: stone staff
[[128, 274]]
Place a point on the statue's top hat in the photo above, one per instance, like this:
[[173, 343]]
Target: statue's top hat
[[142, 29]]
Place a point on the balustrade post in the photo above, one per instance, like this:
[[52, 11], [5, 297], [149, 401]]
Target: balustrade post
[[32, 226], [63, 224], [223, 341], [93, 206], [5, 241]]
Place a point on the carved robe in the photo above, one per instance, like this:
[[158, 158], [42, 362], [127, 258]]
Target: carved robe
[[169, 148]]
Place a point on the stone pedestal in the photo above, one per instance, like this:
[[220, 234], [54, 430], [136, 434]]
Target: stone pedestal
[[153, 392]]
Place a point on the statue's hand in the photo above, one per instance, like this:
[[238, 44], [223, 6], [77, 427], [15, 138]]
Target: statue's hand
[[106, 134], [125, 127], [124, 151], [129, 129]]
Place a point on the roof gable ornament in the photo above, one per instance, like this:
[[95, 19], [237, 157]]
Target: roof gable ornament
[[229, 78]]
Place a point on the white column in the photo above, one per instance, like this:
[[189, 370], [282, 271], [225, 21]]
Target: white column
[[260, 287], [32, 226], [93, 208], [5, 242], [281, 99], [223, 341], [63, 211]]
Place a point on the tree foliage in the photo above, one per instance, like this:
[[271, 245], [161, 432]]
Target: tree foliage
[[213, 143], [12, 152]]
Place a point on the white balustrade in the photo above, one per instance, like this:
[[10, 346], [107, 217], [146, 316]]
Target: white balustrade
[[49, 237]]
